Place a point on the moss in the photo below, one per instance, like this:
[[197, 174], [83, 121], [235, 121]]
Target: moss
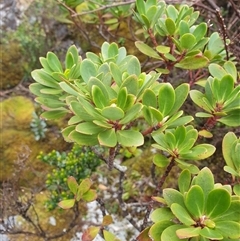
[[18, 143], [11, 70]]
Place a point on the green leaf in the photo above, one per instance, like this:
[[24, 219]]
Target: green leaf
[[166, 98], [133, 66], [172, 12], [170, 26], [50, 102], [82, 139], [156, 115], [230, 67], [184, 181], [112, 113], [194, 201], [90, 234], [232, 214], [160, 160], [72, 184], [193, 62], [181, 93], [228, 229], [43, 78], [83, 187], [80, 112], [173, 196], [147, 50], [116, 73], [203, 115], [211, 234], [130, 138], [217, 71], [145, 20], [200, 31], [54, 62], [69, 88], [180, 135], [89, 196], [183, 28], [236, 189], [88, 70], [205, 180], [149, 98], [88, 128], [107, 138], [122, 98], [109, 236], [93, 81], [188, 232], [231, 119], [131, 114], [66, 204], [227, 145], [169, 234], [163, 49], [50, 91], [157, 229], [131, 83], [99, 99], [197, 98], [66, 131], [54, 114], [199, 152], [112, 50], [161, 214], [140, 4], [187, 40], [218, 201], [182, 214]]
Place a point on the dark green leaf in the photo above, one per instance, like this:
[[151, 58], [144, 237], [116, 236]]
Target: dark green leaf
[[166, 98], [170, 26], [194, 201], [184, 181], [187, 41], [218, 201]]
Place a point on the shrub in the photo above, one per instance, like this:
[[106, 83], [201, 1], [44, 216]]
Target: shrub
[[112, 103]]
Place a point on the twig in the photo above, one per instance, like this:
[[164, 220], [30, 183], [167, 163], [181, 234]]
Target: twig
[[224, 32], [235, 8], [103, 8], [158, 190], [123, 205]]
